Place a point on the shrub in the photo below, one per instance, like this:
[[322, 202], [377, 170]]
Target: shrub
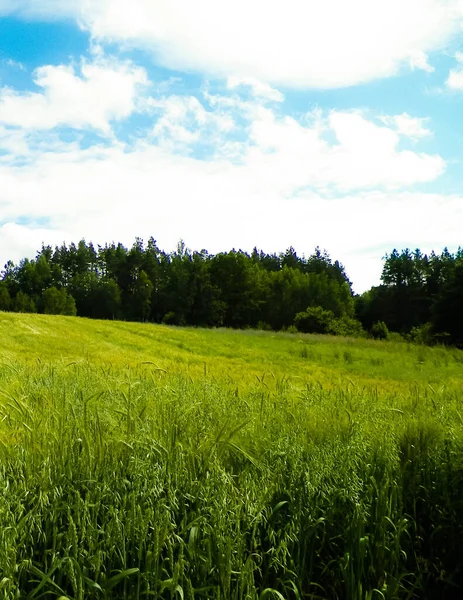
[[379, 330], [170, 318], [314, 320], [394, 336], [346, 326], [422, 334]]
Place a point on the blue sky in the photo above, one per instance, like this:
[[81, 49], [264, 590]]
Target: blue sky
[[233, 125]]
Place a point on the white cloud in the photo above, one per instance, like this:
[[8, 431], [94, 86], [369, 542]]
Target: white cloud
[[184, 120], [289, 154], [13, 143], [13, 64], [292, 185], [104, 91], [259, 89], [110, 194], [273, 180], [407, 126], [21, 241], [292, 155], [419, 60], [455, 78], [294, 43]]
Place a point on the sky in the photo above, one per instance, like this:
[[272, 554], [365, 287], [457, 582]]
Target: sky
[[233, 124]]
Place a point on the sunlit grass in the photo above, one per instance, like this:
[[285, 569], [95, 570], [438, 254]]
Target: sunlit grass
[[141, 461], [242, 354]]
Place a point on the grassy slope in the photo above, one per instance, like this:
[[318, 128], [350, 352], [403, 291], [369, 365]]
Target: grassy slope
[[224, 353], [223, 463]]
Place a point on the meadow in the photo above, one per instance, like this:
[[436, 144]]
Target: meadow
[[146, 461]]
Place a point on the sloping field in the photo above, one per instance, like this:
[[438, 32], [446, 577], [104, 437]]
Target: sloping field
[[142, 461]]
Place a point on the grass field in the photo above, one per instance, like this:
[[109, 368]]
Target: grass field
[[142, 461]]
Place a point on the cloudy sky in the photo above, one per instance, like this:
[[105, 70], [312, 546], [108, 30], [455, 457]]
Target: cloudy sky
[[233, 124]]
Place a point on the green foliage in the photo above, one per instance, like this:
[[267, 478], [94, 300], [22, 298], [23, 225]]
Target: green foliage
[[263, 326], [314, 320], [317, 320], [240, 290], [346, 326], [417, 290], [291, 329], [58, 302], [170, 318], [379, 330], [447, 315], [5, 298], [107, 304], [141, 300], [423, 334], [143, 283], [393, 336], [23, 303]]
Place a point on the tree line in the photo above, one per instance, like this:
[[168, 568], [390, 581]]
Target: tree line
[[144, 283], [420, 296]]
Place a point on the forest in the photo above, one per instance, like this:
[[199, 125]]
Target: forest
[[419, 297]]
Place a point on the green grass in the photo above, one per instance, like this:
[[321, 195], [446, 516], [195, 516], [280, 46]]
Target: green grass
[[142, 461]]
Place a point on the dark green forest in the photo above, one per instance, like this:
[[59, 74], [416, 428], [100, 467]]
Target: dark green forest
[[420, 296]]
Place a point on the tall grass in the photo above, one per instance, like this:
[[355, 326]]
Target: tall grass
[[145, 481]]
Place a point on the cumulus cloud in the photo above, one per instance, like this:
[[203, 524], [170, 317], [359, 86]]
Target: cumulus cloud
[[102, 92], [184, 121], [113, 194], [325, 151], [365, 155], [13, 143], [295, 43], [299, 183], [267, 178]]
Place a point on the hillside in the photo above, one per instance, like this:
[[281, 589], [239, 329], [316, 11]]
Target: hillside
[[225, 353]]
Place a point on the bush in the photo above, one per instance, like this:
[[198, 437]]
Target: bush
[[170, 318], [314, 320], [346, 327], [318, 320], [394, 336], [379, 330], [422, 334]]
